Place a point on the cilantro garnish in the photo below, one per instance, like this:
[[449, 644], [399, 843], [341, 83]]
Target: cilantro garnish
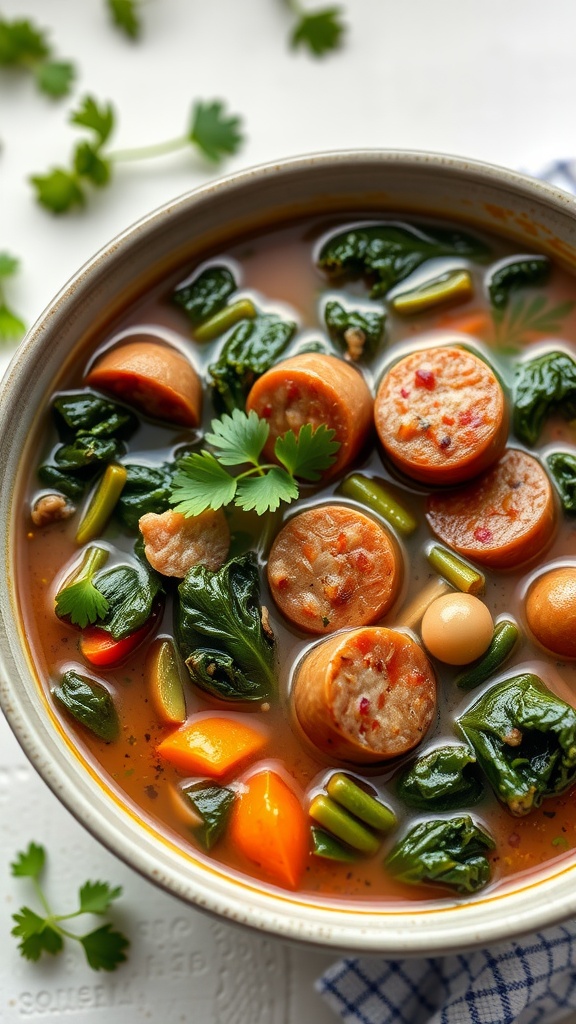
[[321, 31], [26, 47], [11, 326], [126, 16], [79, 600], [202, 482], [104, 947], [212, 132]]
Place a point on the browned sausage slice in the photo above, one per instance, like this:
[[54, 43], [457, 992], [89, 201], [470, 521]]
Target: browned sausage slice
[[333, 566], [365, 696], [173, 544], [441, 415], [551, 611], [314, 388], [504, 518], [155, 378]]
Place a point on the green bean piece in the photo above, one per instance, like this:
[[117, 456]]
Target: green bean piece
[[162, 673], [353, 798], [459, 573], [453, 286], [102, 503], [342, 825], [504, 639], [243, 309], [369, 492], [326, 846]]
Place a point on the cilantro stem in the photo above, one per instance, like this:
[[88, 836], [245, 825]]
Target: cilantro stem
[[40, 894], [149, 152]]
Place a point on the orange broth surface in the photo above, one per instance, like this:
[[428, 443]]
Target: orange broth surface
[[278, 270]]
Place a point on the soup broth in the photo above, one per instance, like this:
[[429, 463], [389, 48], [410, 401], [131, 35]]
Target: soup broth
[[279, 274]]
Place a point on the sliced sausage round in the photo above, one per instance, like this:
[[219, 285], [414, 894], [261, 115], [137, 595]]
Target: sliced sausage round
[[155, 378], [441, 415], [551, 610], [365, 696], [173, 544], [503, 519], [331, 567], [315, 388]]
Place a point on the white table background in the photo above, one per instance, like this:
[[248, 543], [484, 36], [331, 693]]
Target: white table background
[[492, 80]]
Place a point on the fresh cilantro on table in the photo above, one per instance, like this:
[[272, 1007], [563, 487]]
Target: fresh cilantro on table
[[202, 482], [211, 131], [125, 15], [104, 948], [11, 326], [321, 31], [26, 47]]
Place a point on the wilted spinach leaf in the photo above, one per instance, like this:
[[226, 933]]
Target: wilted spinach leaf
[[562, 466], [387, 253], [442, 780], [130, 592], [147, 489], [83, 412], [252, 348], [87, 451], [369, 322], [218, 626], [212, 804], [68, 484], [88, 702], [518, 272], [449, 851], [524, 738], [542, 386], [206, 294]]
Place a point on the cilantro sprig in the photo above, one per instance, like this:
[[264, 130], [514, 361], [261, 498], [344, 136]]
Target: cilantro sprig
[[79, 600], [211, 131], [203, 482], [44, 933], [11, 326], [321, 31], [26, 47], [125, 15]]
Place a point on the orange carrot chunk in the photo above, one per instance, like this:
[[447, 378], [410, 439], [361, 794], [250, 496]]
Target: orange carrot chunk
[[269, 827], [211, 746]]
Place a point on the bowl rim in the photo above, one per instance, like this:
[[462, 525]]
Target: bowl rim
[[412, 930]]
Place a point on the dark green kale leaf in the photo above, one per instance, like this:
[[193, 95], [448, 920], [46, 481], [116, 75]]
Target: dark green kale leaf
[[387, 253], [81, 412], [71, 486], [88, 451], [443, 780], [562, 466], [542, 386], [524, 737], [206, 294], [252, 348], [449, 851], [131, 593], [340, 321], [147, 489], [220, 633], [89, 702], [518, 272], [212, 804]]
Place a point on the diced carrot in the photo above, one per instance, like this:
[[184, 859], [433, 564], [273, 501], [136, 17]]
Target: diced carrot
[[269, 827], [476, 322], [211, 746]]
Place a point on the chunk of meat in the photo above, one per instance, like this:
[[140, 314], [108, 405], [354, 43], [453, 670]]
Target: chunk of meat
[[173, 544], [155, 378], [503, 519], [51, 508], [365, 696], [441, 415], [315, 388], [333, 566]]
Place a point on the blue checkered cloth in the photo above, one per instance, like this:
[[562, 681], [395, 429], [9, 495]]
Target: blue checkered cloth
[[529, 982], [524, 982]]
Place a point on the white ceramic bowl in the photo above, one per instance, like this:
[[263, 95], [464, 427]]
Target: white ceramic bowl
[[533, 214]]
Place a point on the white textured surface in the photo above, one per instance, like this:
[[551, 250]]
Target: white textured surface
[[488, 80]]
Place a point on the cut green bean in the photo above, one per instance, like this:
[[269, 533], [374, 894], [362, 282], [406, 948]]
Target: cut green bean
[[342, 825], [243, 309], [504, 640], [164, 679], [367, 808], [326, 846], [102, 503], [451, 287], [370, 492], [459, 573]]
